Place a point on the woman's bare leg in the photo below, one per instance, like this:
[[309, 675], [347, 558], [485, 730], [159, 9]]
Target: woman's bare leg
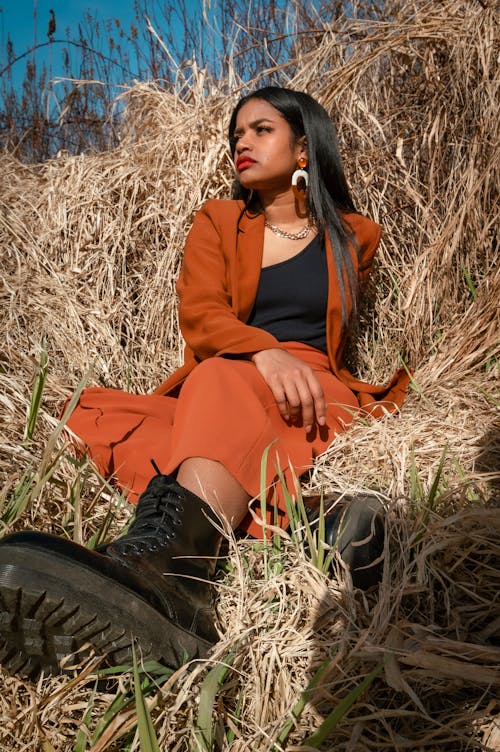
[[211, 481]]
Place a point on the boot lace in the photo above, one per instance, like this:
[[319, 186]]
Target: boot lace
[[158, 515]]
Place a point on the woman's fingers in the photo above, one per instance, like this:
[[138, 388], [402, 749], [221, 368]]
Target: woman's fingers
[[300, 399], [306, 399], [318, 399], [295, 387], [281, 401]]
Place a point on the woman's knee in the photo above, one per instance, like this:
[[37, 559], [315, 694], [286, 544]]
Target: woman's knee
[[215, 369]]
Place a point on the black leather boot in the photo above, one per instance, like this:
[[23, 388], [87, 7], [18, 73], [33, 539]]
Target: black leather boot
[[151, 586], [354, 527]]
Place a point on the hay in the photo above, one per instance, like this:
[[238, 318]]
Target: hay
[[91, 247]]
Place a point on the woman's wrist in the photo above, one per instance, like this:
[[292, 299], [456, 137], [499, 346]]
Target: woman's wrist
[[255, 355]]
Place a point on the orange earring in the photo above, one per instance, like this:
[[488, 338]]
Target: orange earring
[[299, 188]]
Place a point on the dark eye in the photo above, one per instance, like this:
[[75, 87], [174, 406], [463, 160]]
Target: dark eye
[[263, 129]]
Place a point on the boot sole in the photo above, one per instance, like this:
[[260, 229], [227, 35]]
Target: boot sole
[[44, 618]]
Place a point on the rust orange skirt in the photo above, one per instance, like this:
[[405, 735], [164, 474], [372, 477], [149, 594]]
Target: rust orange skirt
[[225, 412]]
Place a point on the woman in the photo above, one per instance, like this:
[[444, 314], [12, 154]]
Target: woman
[[268, 288]]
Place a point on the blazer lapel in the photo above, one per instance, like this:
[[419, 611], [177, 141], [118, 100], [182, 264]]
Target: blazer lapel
[[249, 249], [334, 308]]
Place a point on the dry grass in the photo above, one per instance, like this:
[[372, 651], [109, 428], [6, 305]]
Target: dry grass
[[90, 251]]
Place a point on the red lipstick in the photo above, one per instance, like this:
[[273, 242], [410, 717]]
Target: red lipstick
[[243, 162]]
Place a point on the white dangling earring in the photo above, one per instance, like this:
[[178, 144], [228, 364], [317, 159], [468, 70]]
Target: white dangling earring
[[300, 175]]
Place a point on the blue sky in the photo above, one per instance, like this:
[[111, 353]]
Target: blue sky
[[17, 20], [18, 17]]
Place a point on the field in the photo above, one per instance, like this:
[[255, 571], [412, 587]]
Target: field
[[90, 249]]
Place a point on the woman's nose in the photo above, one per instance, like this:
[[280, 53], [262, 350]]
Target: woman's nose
[[243, 144]]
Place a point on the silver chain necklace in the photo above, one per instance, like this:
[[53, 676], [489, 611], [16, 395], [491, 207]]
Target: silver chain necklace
[[290, 235]]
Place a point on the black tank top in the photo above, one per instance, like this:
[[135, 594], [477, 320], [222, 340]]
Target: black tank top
[[292, 298]]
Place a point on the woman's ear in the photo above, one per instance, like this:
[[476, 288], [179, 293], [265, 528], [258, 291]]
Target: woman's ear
[[302, 147]]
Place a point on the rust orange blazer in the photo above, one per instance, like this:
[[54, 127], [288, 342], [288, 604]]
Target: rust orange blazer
[[217, 289]]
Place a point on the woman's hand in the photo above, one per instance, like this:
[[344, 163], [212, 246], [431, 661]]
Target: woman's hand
[[295, 386]]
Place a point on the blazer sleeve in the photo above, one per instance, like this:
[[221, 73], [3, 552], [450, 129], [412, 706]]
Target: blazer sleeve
[[209, 324], [367, 234]]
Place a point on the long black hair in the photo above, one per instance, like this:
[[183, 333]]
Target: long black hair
[[328, 194]]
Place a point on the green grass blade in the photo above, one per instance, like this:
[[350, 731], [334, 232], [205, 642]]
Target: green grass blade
[[431, 500], [82, 737], [117, 706], [320, 550], [341, 710], [433, 493], [413, 384], [32, 483], [124, 700], [263, 504], [301, 702], [11, 507], [101, 533], [416, 488], [203, 728], [152, 668], [470, 283], [301, 531], [307, 529], [36, 394], [293, 513], [263, 488], [147, 736], [236, 716]]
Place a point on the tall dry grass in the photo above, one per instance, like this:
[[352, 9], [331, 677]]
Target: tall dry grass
[[91, 247]]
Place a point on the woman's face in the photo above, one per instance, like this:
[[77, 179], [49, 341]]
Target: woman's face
[[266, 149]]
